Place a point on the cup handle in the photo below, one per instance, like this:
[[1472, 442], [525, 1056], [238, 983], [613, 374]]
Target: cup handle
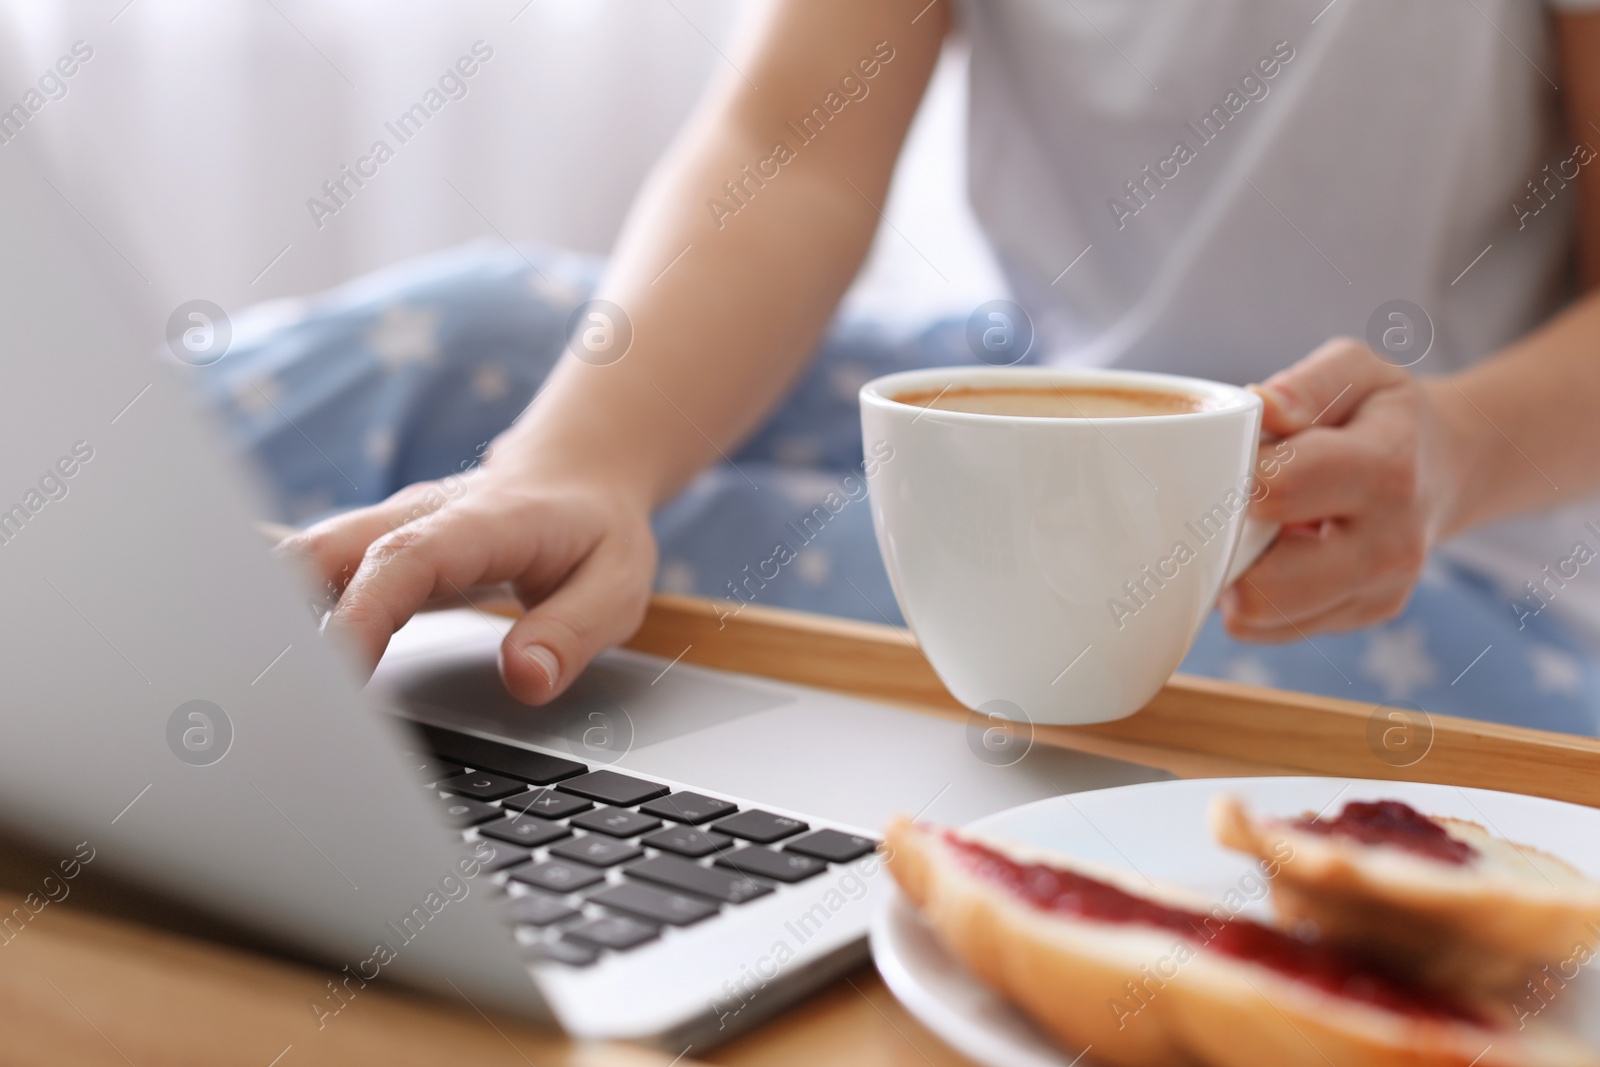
[[1255, 539]]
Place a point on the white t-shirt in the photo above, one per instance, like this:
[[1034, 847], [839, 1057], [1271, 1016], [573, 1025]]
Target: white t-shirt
[[1216, 187]]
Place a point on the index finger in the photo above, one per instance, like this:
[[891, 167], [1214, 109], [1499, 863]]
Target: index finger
[[335, 546], [401, 571]]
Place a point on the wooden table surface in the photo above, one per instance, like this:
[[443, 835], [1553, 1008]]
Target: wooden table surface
[[93, 980]]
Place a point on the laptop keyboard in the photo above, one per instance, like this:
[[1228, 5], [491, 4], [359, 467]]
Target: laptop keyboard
[[597, 861]]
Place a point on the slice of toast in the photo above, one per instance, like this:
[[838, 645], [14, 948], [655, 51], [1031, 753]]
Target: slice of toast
[[1474, 911], [1143, 975]]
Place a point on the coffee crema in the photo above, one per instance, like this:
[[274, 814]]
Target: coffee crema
[[1057, 401]]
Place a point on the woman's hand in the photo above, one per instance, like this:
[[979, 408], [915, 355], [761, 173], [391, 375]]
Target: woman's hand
[[580, 556], [1366, 487]]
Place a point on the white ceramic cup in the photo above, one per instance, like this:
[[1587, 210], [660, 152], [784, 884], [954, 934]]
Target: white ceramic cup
[[1060, 567]]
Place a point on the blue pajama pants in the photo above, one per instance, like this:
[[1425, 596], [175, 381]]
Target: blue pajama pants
[[405, 374]]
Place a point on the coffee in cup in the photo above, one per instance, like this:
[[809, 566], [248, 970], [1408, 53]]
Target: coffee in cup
[[1056, 402], [1056, 537]]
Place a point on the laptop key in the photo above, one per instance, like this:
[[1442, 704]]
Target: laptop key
[[431, 770], [618, 822], [614, 932], [674, 873], [558, 876], [572, 953], [671, 908], [462, 812], [485, 755], [547, 803], [536, 909], [687, 841], [762, 827], [525, 830], [483, 785], [779, 866], [609, 787], [597, 851], [692, 808], [497, 856], [832, 845]]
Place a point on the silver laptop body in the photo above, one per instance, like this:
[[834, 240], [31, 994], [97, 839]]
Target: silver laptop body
[[171, 711]]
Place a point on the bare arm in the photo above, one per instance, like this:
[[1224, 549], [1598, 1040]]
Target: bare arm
[[1578, 38], [728, 293], [797, 145], [1528, 420]]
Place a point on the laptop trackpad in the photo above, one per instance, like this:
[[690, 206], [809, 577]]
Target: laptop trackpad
[[861, 764], [832, 757], [619, 704]]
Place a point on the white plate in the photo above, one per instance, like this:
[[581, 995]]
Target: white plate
[[1160, 830]]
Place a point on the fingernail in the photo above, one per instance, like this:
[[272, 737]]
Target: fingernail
[[545, 660], [1287, 402]]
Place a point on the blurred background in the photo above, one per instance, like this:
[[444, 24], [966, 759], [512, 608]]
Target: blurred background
[[195, 135]]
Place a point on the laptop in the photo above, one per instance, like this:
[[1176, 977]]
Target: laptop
[[667, 854]]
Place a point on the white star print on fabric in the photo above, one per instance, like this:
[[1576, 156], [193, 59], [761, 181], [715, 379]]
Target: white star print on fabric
[[847, 380], [379, 446], [555, 290], [490, 382], [405, 335], [1397, 659], [797, 451], [1433, 577], [808, 489], [813, 565], [1554, 671], [676, 576], [1247, 670]]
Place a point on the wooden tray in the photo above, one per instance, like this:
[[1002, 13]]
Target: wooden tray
[[1224, 723], [84, 983]]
